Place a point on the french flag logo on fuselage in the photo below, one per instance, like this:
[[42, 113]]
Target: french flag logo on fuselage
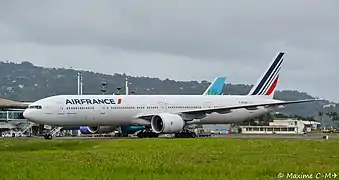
[[266, 86], [119, 101]]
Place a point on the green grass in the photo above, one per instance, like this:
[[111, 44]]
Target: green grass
[[170, 159]]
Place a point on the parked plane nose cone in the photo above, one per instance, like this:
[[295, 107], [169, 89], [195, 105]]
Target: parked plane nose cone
[[27, 114]]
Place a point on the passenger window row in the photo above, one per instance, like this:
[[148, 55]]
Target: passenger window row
[[132, 107], [79, 107]]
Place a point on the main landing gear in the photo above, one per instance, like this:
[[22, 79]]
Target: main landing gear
[[185, 134], [147, 133]]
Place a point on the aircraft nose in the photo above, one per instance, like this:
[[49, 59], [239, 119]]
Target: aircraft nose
[[27, 114]]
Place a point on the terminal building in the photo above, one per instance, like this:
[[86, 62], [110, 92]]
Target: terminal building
[[12, 122], [288, 126]]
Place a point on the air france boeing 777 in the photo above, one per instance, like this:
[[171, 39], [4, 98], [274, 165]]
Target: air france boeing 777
[[164, 113], [215, 88]]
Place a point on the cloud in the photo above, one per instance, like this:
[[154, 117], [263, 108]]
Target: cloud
[[181, 40]]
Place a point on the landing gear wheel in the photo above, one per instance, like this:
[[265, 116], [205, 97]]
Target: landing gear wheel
[[48, 136], [185, 134], [124, 134], [140, 135], [193, 135], [147, 134]]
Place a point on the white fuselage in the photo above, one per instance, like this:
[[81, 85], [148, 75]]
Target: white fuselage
[[80, 110]]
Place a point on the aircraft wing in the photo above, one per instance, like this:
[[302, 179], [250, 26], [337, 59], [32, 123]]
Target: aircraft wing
[[195, 113], [246, 106]]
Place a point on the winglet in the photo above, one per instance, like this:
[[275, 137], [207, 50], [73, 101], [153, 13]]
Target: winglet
[[216, 87], [268, 81]]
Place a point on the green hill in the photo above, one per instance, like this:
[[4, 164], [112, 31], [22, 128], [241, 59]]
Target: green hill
[[26, 82]]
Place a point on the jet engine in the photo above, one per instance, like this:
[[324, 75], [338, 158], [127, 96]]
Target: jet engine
[[167, 123], [96, 129]]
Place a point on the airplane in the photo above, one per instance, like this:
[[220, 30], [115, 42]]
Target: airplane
[[215, 88], [166, 114]]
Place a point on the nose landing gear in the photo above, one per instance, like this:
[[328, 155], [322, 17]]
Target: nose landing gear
[[52, 133], [48, 136]]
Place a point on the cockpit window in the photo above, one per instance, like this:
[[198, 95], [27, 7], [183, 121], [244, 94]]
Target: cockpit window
[[35, 107]]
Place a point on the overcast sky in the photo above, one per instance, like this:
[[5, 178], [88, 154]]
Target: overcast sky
[[180, 39]]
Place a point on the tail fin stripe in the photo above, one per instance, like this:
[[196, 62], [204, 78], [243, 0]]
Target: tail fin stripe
[[268, 73], [271, 78], [272, 88], [270, 83]]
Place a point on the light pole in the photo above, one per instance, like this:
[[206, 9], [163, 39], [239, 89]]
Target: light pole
[[78, 75], [126, 86], [103, 86], [81, 84], [118, 90]]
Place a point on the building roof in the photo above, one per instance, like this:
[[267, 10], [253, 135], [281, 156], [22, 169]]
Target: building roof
[[5, 103], [311, 122], [8, 102]]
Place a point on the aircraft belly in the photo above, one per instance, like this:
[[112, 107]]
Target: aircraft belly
[[112, 118], [80, 118]]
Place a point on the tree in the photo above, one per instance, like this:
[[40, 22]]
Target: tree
[[333, 115], [265, 119], [310, 118], [320, 114], [279, 116]]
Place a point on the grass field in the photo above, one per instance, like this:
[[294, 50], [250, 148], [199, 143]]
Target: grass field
[[170, 159]]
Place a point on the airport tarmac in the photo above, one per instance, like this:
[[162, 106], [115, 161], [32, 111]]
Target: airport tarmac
[[282, 136], [242, 136], [235, 135]]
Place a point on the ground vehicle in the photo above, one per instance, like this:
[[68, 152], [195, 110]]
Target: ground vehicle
[[201, 132]]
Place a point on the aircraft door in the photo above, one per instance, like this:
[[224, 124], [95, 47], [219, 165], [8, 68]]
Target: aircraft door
[[208, 105], [103, 110], [61, 110], [162, 107], [102, 113]]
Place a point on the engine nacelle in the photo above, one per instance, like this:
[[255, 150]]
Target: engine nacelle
[[96, 129], [167, 123]]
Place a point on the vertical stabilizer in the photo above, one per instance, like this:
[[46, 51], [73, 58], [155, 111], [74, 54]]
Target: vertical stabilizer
[[268, 81], [216, 87]]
